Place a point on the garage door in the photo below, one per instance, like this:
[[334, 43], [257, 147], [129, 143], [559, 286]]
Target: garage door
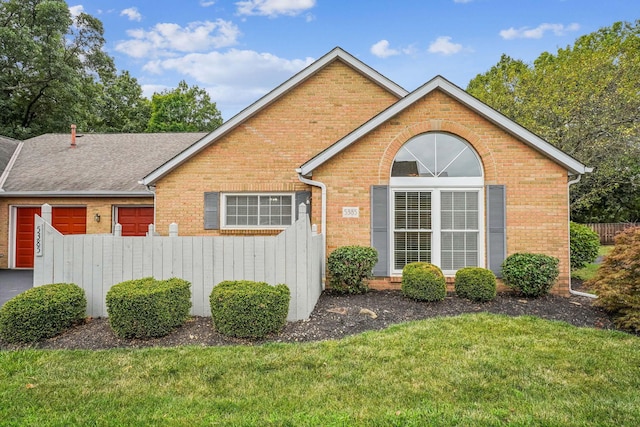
[[65, 219], [135, 220]]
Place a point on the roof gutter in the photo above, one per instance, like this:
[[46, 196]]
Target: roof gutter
[[65, 193], [571, 291], [323, 224]]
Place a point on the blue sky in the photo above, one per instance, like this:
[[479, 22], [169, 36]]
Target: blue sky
[[240, 50]]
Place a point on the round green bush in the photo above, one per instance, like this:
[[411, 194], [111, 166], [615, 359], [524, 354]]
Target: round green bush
[[532, 275], [148, 308], [476, 284], [584, 245], [247, 309], [350, 267], [42, 312], [423, 281]]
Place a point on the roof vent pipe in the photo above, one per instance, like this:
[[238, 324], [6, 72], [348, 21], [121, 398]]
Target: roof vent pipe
[[73, 136]]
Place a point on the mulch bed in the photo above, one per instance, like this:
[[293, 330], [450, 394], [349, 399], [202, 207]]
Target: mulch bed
[[336, 316]]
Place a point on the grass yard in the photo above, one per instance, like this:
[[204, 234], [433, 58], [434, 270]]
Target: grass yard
[[477, 369], [589, 270]]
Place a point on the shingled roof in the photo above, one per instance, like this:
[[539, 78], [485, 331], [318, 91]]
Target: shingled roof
[[99, 164], [7, 147]]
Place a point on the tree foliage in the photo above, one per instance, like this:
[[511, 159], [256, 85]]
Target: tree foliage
[[584, 100], [184, 109], [54, 72]]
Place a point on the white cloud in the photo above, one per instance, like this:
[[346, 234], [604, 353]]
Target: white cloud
[[538, 32], [382, 50], [76, 10], [273, 8], [167, 39], [132, 13], [444, 46], [235, 78], [204, 3]]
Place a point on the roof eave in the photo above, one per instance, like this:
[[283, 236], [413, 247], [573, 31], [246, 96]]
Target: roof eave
[[335, 54], [65, 193]]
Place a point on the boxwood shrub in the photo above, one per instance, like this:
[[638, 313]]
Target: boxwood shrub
[[247, 309], [42, 312], [423, 281], [476, 284], [350, 267], [584, 245], [530, 274], [147, 308]]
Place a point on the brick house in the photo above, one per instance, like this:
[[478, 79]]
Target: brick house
[[90, 180], [432, 175]]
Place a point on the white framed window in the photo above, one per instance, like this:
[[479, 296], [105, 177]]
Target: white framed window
[[257, 210], [437, 207]]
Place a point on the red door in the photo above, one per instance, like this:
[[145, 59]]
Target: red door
[[65, 220], [135, 220]]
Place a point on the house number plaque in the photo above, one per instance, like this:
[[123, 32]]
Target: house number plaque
[[39, 239], [351, 212]]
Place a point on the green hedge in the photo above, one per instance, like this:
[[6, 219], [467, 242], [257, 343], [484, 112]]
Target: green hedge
[[532, 275], [147, 308], [247, 309], [423, 281], [585, 244], [42, 312], [476, 284], [350, 267]]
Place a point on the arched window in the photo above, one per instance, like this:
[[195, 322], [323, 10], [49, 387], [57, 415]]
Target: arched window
[[436, 203], [436, 155]]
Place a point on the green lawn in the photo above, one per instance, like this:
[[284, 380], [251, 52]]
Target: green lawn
[[477, 369], [589, 271]]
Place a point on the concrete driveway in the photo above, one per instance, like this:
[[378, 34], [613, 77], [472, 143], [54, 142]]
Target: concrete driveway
[[14, 282]]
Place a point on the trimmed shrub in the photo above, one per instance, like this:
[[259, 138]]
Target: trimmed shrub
[[42, 312], [617, 281], [476, 284], [584, 245], [350, 267], [530, 274], [423, 281], [247, 309], [147, 308]]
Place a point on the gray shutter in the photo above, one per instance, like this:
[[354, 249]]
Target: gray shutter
[[303, 197], [380, 228], [212, 210], [496, 228]]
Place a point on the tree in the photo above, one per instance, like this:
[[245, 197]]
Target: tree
[[585, 101], [184, 109], [119, 106], [48, 64]]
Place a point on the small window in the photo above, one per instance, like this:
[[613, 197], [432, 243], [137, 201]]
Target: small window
[[262, 211]]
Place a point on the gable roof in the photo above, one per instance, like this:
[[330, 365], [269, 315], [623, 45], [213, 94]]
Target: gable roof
[[7, 148], [440, 83], [100, 165], [334, 55]]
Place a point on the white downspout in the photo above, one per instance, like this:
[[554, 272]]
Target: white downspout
[[571, 291], [323, 220]]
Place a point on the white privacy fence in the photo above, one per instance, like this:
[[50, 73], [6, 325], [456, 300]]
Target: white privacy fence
[[97, 262]]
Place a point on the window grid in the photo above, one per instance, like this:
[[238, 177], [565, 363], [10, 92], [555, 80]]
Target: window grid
[[412, 223], [258, 210], [459, 229]]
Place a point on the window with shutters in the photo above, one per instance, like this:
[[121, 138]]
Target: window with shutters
[[436, 203], [263, 211]]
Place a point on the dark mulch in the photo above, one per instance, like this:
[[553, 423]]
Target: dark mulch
[[336, 316]]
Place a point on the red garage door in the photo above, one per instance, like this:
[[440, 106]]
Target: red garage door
[[65, 220], [135, 220]]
